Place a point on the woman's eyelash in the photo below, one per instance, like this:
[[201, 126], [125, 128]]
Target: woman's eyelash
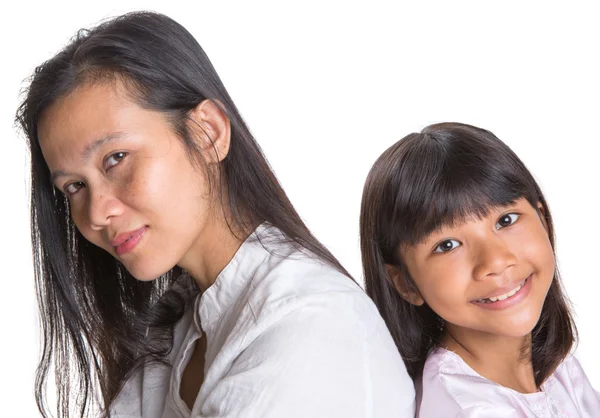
[[111, 161], [68, 190], [114, 159]]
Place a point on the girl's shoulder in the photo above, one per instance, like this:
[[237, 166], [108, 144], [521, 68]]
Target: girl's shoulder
[[570, 384], [449, 387], [438, 389], [442, 364], [570, 368]]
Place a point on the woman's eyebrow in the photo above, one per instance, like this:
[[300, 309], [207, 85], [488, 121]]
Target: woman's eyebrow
[[89, 150]]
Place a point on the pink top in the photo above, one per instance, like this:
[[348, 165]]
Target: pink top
[[450, 388]]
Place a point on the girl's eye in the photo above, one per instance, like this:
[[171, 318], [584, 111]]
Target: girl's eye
[[507, 220], [114, 159], [447, 245], [73, 188]]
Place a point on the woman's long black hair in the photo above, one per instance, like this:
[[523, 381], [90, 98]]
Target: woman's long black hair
[[427, 180], [95, 315]]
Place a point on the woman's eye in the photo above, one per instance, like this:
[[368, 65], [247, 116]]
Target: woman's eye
[[507, 220], [447, 245], [73, 188], [114, 159]]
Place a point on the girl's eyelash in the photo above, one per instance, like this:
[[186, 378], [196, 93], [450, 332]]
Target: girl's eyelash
[[512, 217], [450, 244], [440, 248]]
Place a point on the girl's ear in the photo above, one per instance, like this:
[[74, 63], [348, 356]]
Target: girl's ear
[[542, 214], [409, 293], [212, 130]]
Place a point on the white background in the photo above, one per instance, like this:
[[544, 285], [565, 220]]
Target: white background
[[326, 87]]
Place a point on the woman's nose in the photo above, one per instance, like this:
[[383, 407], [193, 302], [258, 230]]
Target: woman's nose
[[103, 206]]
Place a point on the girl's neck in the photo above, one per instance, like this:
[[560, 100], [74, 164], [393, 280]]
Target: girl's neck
[[503, 360]]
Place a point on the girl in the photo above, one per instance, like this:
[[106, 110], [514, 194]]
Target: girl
[[173, 273], [458, 251]]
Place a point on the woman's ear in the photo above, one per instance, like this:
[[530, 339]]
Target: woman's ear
[[542, 214], [409, 293], [211, 129]]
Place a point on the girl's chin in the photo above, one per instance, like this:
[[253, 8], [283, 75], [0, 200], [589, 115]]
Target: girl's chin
[[513, 331], [505, 330]]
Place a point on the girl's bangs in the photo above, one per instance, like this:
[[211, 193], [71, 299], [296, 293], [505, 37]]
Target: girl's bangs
[[448, 207], [437, 188]]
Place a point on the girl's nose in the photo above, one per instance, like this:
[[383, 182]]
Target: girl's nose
[[493, 257]]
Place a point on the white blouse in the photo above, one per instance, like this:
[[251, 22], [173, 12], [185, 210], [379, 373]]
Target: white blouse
[[288, 336], [450, 388]]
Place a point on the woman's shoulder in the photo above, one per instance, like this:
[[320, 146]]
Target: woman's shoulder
[[289, 274], [270, 277], [299, 279]]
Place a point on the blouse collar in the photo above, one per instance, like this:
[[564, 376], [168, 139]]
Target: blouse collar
[[209, 305]]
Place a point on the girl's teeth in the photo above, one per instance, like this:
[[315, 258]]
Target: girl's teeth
[[504, 296], [512, 292]]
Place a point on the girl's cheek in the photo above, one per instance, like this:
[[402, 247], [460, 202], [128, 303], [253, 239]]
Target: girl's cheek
[[537, 248]]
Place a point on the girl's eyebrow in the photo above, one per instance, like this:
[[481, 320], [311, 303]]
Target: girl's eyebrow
[[442, 231], [89, 150]]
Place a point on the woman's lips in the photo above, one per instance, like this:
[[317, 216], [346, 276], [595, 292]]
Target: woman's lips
[[126, 242]]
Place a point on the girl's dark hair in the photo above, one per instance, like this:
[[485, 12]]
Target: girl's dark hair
[[95, 315], [428, 180]]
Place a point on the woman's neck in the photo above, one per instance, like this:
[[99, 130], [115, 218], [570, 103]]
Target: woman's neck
[[212, 251], [503, 360]]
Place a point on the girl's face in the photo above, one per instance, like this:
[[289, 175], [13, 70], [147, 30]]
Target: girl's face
[[132, 188], [487, 275]]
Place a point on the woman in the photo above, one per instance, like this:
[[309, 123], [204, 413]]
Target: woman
[[171, 268]]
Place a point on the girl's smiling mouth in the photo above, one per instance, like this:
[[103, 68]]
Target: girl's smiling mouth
[[507, 299]]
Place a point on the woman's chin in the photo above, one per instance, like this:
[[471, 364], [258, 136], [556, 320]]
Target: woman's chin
[[146, 274]]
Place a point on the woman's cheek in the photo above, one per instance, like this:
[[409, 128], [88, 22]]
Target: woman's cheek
[[145, 183]]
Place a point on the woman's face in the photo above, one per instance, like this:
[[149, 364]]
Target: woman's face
[[488, 275], [131, 185]]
